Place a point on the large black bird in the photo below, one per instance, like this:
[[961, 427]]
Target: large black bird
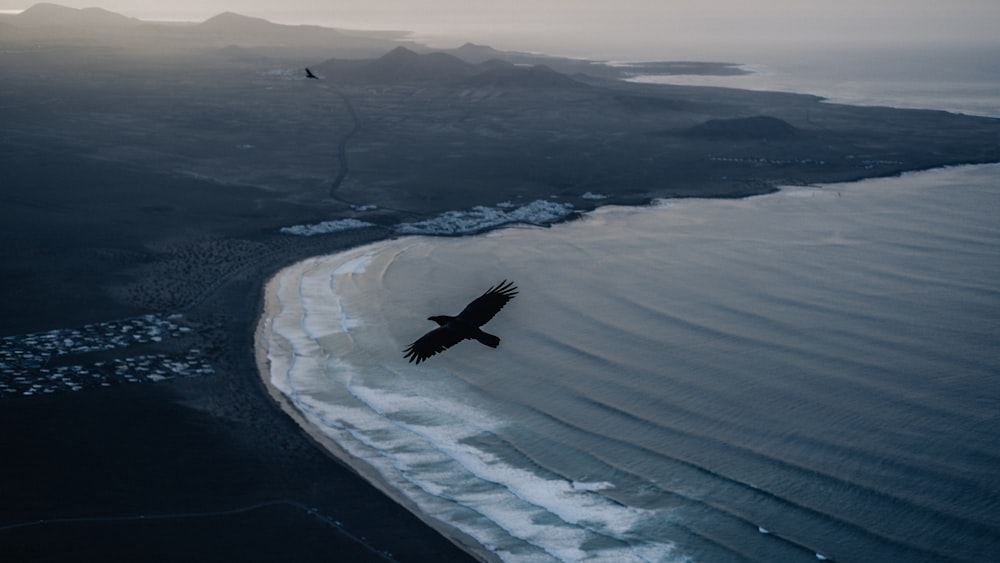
[[309, 74], [452, 330]]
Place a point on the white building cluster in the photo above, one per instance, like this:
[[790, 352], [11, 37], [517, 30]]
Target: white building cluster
[[43, 362]]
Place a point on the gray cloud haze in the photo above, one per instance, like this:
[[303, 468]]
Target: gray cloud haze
[[613, 28]]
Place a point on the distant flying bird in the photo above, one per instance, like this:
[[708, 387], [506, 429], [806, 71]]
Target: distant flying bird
[[452, 330], [309, 74]]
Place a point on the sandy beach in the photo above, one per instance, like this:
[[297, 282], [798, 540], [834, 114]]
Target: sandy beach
[[262, 346], [469, 430]]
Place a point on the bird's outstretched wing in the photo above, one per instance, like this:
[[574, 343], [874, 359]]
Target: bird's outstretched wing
[[487, 305], [437, 340]]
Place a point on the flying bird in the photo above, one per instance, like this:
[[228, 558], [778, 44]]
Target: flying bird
[[452, 330], [309, 74]]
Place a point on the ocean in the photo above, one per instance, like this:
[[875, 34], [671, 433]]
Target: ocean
[[957, 78], [805, 375]]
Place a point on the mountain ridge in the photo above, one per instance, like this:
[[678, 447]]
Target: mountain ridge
[[46, 14], [403, 65]]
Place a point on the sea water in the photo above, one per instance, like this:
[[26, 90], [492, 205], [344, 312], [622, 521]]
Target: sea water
[[959, 78], [810, 372], [806, 375]]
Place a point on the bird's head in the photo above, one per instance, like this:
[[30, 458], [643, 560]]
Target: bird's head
[[441, 320]]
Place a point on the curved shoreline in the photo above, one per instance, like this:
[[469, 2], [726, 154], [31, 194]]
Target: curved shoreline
[[267, 308], [147, 223], [260, 351]]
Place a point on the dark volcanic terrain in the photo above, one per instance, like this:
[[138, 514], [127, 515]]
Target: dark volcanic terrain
[[148, 168], [151, 159]]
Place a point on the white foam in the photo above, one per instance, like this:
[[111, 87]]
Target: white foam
[[326, 227], [422, 444], [354, 266], [522, 502], [600, 486], [479, 218], [800, 191]]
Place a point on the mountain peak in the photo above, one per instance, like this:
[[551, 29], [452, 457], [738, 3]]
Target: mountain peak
[[756, 127], [400, 54], [507, 76], [48, 14], [402, 64], [477, 47], [232, 20]]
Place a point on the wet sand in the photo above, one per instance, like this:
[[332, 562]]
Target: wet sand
[[261, 351]]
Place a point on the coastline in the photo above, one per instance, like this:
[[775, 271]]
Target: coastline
[[231, 407], [332, 448], [269, 305], [211, 450], [201, 238]]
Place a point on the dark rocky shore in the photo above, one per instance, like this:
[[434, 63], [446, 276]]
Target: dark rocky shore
[[146, 180]]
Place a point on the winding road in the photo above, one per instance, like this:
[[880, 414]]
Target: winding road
[[342, 146]]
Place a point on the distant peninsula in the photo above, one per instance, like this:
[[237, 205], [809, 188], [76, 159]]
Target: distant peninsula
[[404, 132]]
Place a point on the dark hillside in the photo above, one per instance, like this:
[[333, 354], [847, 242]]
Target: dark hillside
[[758, 127], [510, 76], [45, 14], [402, 65]]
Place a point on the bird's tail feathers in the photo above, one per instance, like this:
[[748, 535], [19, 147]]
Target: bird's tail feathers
[[488, 339]]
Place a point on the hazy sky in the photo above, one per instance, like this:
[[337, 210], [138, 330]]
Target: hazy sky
[[609, 28]]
